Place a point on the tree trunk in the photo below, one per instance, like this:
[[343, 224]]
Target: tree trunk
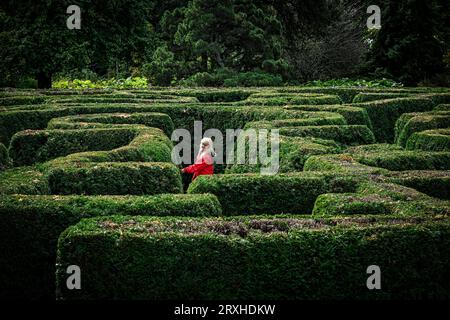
[[205, 62], [44, 80]]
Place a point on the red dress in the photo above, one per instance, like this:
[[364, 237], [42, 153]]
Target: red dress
[[204, 165]]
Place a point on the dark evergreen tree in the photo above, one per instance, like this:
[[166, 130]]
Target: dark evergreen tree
[[407, 48]]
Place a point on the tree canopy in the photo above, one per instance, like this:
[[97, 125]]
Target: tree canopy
[[171, 40]]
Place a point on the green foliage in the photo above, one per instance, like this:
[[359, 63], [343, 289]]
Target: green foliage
[[394, 158], [406, 160], [31, 226], [279, 194], [380, 199], [410, 123], [346, 82], [254, 258], [283, 99], [253, 79], [407, 47], [115, 178], [385, 113], [353, 115], [23, 180], [229, 78], [374, 96], [150, 119], [346, 134], [128, 83], [162, 68], [432, 183], [351, 204], [20, 100], [293, 153], [29, 147], [430, 140], [106, 152]]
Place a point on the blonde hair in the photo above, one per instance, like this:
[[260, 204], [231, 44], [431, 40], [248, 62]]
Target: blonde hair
[[209, 147]]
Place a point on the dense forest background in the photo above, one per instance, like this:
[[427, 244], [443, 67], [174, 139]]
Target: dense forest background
[[224, 42]]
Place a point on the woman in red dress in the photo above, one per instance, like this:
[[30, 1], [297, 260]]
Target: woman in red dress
[[204, 164]]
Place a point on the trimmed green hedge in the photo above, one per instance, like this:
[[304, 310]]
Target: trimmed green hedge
[[31, 146], [221, 117], [351, 204], [406, 160], [346, 134], [384, 114], [150, 99], [278, 194], [316, 119], [391, 190], [339, 163], [430, 140], [293, 153], [110, 178], [151, 119], [281, 99], [183, 115], [432, 183], [353, 115], [394, 158], [205, 95], [345, 94], [18, 100], [375, 198], [31, 226], [374, 96], [145, 258], [410, 123], [23, 180]]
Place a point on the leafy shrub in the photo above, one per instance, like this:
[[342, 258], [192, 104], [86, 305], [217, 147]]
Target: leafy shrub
[[406, 160], [430, 140], [353, 115], [384, 114], [202, 79], [29, 147], [19, 100], [432, 183], [279, 194], [374, 96], [128, 83], [410, 123], [23, 180], [349, 135], [346, 82], [283, 99], [229, 78], [31, 226], [351, 204], [254, 79], [115, 178], [255, 258], [150, 119], [162, 69]]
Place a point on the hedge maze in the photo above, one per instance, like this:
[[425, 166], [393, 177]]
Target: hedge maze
[[86, 179]]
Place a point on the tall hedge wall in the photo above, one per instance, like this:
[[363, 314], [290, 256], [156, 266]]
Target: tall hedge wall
[[141, 258], [279, 194], [31, 226]]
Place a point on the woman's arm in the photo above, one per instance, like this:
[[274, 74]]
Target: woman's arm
[[195, 167]]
